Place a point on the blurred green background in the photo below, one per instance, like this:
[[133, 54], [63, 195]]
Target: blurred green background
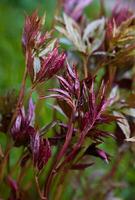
[[12, 14]]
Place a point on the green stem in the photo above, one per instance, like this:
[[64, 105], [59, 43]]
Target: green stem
[[20, 98], [38, 188], [85, 65]]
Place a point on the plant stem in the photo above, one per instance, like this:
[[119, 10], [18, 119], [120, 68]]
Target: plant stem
[[20, 98], [59, 157], [102, 8], [62, 182], [19, 104], [38, 188], [85, 65]]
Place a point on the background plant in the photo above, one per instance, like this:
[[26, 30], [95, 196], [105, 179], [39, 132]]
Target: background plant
[[93, 110]]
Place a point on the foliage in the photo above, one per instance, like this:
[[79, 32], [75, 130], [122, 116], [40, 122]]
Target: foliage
[[74, 109]]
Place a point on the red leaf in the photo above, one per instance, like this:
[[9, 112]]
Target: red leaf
[[81, 166]]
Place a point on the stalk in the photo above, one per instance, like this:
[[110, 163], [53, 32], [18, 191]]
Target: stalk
[[61, 153], [85, 65]]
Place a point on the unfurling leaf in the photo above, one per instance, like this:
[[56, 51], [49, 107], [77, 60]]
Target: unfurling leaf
[[114, 95], [42, 56], [123, 124], [94, 31], [92, 37], [41, 151], [23, 129], [36, 66], [48, 48], [129, 111], [132, 139], [73, 33]]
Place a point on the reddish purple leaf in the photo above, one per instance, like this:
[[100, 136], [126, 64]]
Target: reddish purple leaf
[[81, 166], [74, 8]]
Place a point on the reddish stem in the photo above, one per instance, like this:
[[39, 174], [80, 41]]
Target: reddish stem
[[58, 158]]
